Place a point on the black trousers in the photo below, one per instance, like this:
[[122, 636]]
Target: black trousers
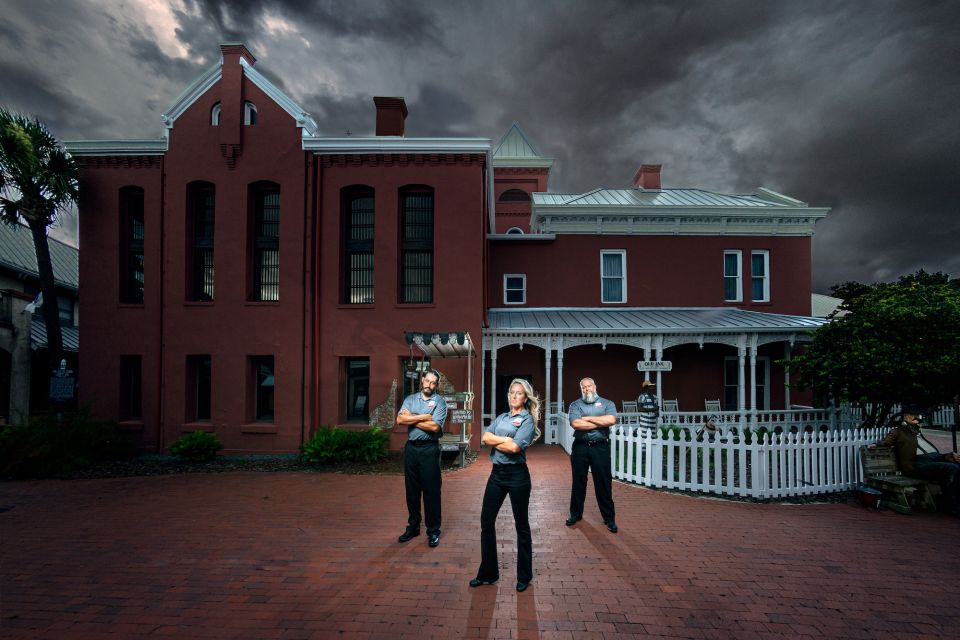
[[932, 466], [421, 474], [597, 459], [512, 480]]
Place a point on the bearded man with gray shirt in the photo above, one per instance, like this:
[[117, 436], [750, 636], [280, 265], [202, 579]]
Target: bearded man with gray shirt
[[591, 418], [423, 414]]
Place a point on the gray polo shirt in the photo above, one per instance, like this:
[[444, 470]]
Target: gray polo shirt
[[599, 407], [435, 405], [519, 427]]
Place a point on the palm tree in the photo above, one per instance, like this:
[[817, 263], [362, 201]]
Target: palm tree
[[38, 180]]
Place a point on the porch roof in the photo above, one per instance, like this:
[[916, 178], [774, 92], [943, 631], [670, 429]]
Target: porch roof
[[647, 320]]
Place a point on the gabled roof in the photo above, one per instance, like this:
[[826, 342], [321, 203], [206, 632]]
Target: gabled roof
[[202, 84], [645, 320], [17, 253], [516, 150]]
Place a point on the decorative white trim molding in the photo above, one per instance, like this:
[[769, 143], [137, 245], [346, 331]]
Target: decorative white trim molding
[[518, 237], [523, 163], [156, 147], [192, 94], [395, 144], [304, 120], [670, 220]]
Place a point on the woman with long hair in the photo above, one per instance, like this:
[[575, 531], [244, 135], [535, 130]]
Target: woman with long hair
[[509, 435]]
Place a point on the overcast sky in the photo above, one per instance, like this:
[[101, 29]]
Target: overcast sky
[[849, 105]]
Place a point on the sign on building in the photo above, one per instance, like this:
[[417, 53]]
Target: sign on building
[[654, 365], [461, 416]]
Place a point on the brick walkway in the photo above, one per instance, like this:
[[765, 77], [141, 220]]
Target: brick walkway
[[298, 555]]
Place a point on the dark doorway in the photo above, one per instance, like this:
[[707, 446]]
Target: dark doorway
[[5, 364]]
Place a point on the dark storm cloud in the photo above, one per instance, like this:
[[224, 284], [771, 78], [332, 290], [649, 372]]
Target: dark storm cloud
[[32, 95], [849, 105]]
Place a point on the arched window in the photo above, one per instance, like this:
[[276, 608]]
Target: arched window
[[131, 245], [515, 231], [201, 206], [249, 113], [265, 241], [416, 245], [215, 115], [357, 204], [514, 195]]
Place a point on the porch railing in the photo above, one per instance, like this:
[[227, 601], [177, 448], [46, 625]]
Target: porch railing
[[738, 463]]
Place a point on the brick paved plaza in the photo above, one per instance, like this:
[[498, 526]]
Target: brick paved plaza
[[301, 555]]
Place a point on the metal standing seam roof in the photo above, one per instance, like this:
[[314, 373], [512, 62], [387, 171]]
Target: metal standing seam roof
[[645, 320], [17, 253], [38, 335], [514, 144], [661, 198]]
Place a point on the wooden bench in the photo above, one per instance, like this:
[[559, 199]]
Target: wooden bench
[[880, 471]]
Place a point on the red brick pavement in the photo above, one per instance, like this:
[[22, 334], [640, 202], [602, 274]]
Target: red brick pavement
[[300, 555]]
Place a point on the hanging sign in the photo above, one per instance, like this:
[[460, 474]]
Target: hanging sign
[[654, 365], [460, 416]]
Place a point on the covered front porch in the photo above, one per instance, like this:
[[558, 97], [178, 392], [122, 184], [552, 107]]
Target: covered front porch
[[722, 362]]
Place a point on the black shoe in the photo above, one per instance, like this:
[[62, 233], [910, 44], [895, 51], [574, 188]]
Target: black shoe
[[572, 521], [611, 525], [477, 582], [409, 533], [522, 586], [433, 539]]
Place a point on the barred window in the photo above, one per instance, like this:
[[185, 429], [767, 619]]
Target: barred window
[[131, 245], [201, 206], [263, 385], [514, 195], [266, 242], [356, 389], [131, 385], [199, 388], [416, 246], [357, 250]]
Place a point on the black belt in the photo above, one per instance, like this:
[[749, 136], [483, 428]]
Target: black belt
[[593, 443], [421, 443]]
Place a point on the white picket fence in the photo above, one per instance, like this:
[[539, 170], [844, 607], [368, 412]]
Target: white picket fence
[[771, 466]]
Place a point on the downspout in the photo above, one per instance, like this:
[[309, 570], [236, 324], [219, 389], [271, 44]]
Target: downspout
[[303, 297], [317, 167], [160, 372]]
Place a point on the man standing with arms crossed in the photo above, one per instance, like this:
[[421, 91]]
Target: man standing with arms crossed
[[423, 414], [591, 418]]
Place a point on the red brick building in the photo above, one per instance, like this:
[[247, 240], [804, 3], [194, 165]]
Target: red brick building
[[250, 276]]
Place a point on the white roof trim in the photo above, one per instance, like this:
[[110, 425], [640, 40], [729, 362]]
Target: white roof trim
[[192, 94], [521, 236], [304, 120], [779, 198], [395, 144], [156, 147], [523, 163]]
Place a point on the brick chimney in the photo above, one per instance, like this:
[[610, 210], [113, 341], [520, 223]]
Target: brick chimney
[[391, 115], [647, 176], [233, 51]]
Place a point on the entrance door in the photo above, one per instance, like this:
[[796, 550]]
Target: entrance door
[[503, 385]]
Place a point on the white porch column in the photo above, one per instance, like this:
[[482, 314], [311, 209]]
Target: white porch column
[[493, 381], [646, 356], [483, 385], [560, 404], [786, 376], [658, 355], [753, 380], [741, 396], [548, 361]]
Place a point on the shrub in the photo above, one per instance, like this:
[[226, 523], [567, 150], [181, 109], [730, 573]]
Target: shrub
[[43, 447], [333, 445], [670, 432], [198, 446]]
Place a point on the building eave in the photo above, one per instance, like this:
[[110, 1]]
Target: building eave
[[394, 144], [153, 147]]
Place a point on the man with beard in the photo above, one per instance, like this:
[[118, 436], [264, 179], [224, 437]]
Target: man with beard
[[591, 418], [423, 414]]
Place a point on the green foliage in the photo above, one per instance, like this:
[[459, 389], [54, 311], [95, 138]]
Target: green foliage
[[44, 448], [333, 445], [197, 446], [898, 343], [671, 432]]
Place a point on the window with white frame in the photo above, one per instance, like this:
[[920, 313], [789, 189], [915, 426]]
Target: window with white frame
[[731, 377], [613, 276], [514, 288], [249, 113], [760, 275], [732, 270]]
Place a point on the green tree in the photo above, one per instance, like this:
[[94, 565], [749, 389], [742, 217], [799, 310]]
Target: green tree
[[898, 342], [38, 180]]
